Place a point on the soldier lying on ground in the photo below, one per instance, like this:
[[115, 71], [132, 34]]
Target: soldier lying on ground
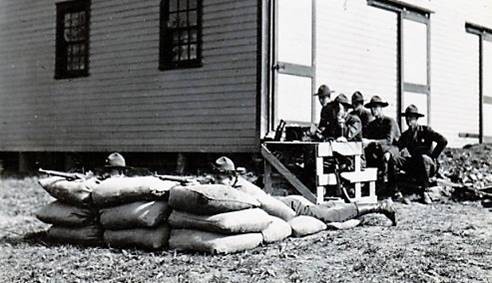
[[417, 158], [225, 173]]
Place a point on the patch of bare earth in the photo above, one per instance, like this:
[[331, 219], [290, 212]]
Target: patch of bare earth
[[448, 242]]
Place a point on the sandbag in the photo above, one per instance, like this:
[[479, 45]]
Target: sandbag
[[276, 231], [306, 225], [145, 238], [210, 199], [276, 207], [349, 224], [66, 215], [234, 222], [77, 192], [120, 190], [91, 234], [136, 214], [201, 241]]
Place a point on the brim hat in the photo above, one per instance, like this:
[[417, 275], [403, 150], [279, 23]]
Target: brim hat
[[357, 97], [224, 164], [342, 99], [412, 110], [324, 90], [376, 101], [115, 160]]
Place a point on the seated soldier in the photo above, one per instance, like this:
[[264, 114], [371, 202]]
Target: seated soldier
[[225, 173], [380, 141], [326, 116], [344, 126], [360, 111], [419, 160]]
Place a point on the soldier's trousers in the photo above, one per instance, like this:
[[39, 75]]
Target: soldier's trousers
[[327, 212], [420, 167]]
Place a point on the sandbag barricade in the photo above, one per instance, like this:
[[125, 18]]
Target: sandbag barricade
[[215, 219], [72, 217]]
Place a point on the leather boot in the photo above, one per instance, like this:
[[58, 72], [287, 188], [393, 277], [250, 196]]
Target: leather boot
[[383, 207]]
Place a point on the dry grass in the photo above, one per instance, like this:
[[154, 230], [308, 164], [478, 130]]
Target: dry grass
[[448, 242]]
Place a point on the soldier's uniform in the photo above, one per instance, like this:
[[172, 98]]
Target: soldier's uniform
[[364, 115], [418, 158], [386, 131], [350, 128]]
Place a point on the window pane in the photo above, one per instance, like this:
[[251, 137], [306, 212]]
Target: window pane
[[176, 38], [293, 98], [193, 54], [182, 19], [192, 4], [184, 52], [414, 52], [193, 35], [175, 54], [67, 21], [295, 29], [173, 20], [487, 67], [184, 36], [192, 18], [173, 5], [417, 99]]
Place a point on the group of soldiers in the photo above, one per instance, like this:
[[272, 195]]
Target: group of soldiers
[[385, 147]]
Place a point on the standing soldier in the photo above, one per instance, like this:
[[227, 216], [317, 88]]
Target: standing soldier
[[421, 160], [364, 115], [380, 141]]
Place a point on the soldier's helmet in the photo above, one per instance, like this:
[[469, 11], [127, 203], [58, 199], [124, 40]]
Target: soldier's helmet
[[115, 160], [224, 164]]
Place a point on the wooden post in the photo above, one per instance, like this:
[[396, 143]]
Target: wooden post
[[267, 177]]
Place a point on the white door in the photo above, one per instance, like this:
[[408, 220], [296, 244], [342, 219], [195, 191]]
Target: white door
[[292, 70]]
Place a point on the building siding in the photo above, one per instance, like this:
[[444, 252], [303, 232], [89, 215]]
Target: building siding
[[126, 103], [356, 50]]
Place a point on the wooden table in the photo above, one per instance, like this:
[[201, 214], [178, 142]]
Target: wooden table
[[319, 151]]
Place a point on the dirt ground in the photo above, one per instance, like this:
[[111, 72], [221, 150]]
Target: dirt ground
[[442, 242]]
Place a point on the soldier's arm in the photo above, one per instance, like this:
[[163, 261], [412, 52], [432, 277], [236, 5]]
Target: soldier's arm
[[440, 140]]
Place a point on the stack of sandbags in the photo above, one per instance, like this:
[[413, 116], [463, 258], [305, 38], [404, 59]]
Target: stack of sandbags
[[215, 219], [71, 215], [134, 211]]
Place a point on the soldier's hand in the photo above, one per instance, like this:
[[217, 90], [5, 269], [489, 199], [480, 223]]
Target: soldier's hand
[[341, 139]]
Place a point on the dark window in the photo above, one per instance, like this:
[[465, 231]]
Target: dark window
[[181, 34], [72, 39]]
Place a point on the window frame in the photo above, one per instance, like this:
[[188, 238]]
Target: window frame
[[484, 34], [166, 43], [61, 67], [417, 14]]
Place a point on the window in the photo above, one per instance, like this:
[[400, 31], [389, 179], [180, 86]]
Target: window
[[72, 39], [181, 33], [413, 56], [485, 81]]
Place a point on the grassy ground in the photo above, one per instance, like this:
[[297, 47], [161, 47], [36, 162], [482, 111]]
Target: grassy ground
[[445, 242]]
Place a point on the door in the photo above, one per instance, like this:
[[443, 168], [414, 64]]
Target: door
[[486, 88], [415, 77], [292, 57]]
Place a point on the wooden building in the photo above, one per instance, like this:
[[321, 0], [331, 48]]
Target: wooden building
[[217, 75]]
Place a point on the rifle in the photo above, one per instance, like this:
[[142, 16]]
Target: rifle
[[186, 180], [68, 176]]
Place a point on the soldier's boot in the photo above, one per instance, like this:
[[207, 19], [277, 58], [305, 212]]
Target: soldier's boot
[[384, 207], [426, 199]]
